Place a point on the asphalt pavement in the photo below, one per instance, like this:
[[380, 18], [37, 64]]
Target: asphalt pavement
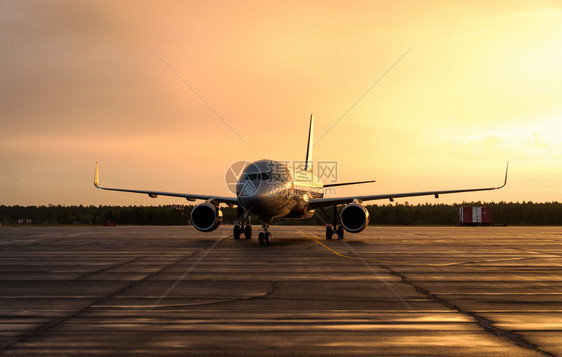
[[155, 291]]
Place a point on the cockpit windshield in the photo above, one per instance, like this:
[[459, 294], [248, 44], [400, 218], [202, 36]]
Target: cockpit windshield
[[263, 176], [266, 171]]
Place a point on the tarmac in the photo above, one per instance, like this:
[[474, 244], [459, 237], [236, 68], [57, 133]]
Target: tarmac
[[155, 291]]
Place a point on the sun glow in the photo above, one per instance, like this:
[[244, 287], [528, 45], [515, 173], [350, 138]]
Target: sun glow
[[481, 85]]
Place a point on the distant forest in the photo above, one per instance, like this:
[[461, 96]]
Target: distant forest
[[525, 213]]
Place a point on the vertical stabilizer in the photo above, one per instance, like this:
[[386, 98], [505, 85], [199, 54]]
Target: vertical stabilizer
[[308, 161]]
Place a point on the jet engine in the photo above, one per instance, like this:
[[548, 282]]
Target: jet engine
[[354, 217], [206, 217]]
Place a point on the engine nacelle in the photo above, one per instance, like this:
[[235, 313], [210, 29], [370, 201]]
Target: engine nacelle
[[206, 217], [354, 217]]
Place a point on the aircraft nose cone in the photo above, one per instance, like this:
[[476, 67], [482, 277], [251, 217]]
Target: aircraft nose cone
[[266, 200], [263, 188]]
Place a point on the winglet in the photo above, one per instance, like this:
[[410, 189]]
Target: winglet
[[308, 161], [505, 181], [97, 177]]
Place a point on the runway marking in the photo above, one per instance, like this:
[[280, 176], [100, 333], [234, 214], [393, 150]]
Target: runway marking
[[379, 276], [189, 270], [371, 269], [346, 256]]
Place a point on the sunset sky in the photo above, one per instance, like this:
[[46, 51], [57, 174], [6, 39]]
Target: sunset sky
[[84, 81]]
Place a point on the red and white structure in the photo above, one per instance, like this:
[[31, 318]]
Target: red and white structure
[[474, 216]]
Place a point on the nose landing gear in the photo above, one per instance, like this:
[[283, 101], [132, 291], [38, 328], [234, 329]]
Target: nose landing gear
[[265, 237]]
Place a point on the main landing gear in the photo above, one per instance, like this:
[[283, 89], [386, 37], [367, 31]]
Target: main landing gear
[[265, 237], [331, 230], [242, 229], [333, 227]]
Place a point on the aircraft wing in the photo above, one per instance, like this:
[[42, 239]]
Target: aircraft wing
[[323, 202], [154, 194]]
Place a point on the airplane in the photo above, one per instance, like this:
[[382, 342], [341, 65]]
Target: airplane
[[273, 190]]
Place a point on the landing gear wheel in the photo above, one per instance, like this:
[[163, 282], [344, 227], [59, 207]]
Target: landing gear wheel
[[265, 236], [340, 232], [329, 232], [248, 232], [237, 231]]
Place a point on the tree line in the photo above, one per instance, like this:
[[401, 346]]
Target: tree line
[[524, 213]]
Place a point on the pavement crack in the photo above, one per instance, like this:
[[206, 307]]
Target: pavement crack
[[106, 269], [265, 295], [487, 324], [489, 261], [268, 293]]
